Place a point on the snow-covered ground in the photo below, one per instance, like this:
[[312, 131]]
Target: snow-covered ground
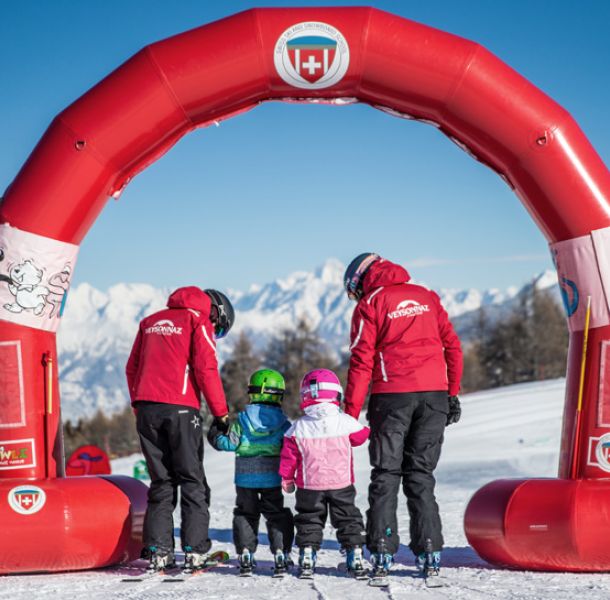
[[511, 432]]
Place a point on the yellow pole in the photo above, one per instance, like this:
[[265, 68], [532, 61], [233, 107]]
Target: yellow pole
[[583, 359], [49, 364]]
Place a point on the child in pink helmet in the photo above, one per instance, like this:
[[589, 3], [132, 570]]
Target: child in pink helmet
[[317, 457]]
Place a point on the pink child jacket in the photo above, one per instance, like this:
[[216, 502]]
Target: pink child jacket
[[317, 450]]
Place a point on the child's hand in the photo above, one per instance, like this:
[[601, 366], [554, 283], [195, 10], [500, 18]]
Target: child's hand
[[288, 486]]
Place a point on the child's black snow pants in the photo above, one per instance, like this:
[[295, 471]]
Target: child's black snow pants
[[172, 443], [405, 445], [312, 508], [250, 504]]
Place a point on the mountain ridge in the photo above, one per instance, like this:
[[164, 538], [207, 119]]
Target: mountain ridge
[[98, 327]]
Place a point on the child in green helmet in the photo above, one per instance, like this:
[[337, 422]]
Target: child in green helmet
[[256, 437]]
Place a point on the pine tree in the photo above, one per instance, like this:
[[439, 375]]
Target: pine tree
[[549, 335], [473, 378], [529, 344], [293, 353], [236, 371]]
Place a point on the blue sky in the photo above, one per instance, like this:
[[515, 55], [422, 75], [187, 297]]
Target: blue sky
[[255, 199]]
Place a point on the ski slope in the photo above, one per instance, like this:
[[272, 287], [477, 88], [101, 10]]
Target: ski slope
[[510, 432]]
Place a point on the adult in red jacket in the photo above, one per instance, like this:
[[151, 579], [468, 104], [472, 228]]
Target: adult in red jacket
[[172, 363], [404, 344]]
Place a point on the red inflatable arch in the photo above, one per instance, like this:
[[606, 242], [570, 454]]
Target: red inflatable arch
[[95, 146]]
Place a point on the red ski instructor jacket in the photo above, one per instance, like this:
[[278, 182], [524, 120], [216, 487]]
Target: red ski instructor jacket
[[173, 359], [401, 339]]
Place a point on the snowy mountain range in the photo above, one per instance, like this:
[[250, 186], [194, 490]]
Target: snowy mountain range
[[98, 328]]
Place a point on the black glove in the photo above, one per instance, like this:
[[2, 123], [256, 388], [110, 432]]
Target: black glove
[[221, 424], [455, 410]]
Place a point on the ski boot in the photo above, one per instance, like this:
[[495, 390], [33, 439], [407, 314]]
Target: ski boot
[[355, 562], [381, 564], [307, 562], [159, 560], [428, 564], [246, 563], [281, 563], [194, 561]]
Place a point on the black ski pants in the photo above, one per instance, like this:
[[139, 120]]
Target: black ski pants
[[172, 443], [405, 446], [313, 506], [250, 504]]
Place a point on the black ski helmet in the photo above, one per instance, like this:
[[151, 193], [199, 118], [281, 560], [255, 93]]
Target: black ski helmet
[[226, 313], [354, 274]]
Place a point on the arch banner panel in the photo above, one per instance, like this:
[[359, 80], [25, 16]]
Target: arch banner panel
[[35, 281]]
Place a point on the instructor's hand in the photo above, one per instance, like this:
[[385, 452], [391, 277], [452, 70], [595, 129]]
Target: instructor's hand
[[222, 424], [455, 410]]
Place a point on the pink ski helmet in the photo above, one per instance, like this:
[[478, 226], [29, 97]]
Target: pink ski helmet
[[321, 385]]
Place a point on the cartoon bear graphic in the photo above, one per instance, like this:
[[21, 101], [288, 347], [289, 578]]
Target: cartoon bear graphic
[[25, 285]]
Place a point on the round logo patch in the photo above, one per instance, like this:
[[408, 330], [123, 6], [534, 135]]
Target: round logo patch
[[311, 55], [26, 499], [602, 451]]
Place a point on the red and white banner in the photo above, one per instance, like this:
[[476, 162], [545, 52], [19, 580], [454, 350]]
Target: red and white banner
[[35, 275], [583, 269]]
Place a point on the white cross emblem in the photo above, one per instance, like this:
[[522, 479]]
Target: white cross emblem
[[312, 65], [196, 421]]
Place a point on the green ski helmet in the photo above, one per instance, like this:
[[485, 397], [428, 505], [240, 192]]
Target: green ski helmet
[[266, 386]]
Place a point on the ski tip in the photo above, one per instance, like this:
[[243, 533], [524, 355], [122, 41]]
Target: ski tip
[[306, 576], [379, 582], [434, 583]]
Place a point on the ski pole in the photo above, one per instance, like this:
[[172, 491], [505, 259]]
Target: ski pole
[[581, 387]]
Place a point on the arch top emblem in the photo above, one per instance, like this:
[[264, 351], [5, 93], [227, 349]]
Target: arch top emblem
[[311, 56]]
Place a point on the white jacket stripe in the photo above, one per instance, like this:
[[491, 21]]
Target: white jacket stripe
[[358, 335], [383, 371], [205, 334], [373, 294]]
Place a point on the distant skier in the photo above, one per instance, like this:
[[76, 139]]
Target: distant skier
[[256, 438], [402, 340], [317, 453], [173, 362]]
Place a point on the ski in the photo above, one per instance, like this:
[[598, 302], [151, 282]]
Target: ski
[[148, 575], [279, 573], [380, 581], [306, 573], [246, 563], [379, 577], [215, 559], [359, 574], [281, 564], [433, 581]]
